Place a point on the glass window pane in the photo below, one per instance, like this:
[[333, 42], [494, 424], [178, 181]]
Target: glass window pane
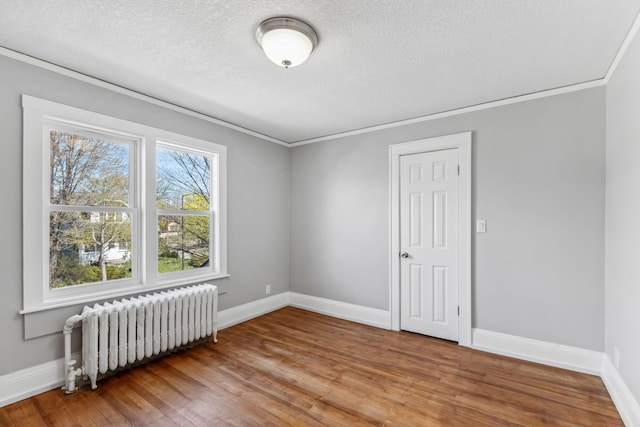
[[88, 247], [183, 180], [183, 242], [88, 171]]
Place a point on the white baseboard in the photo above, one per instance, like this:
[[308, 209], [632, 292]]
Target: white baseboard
[[342, 310], [50, 375], [31, 381], [47, 376], [546, 353], [627, 405], [242, 313]]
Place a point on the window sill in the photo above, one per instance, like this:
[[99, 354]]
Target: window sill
[[139, 290]]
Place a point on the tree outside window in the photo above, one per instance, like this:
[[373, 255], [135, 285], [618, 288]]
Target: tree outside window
[[86, 243], [183, 200]]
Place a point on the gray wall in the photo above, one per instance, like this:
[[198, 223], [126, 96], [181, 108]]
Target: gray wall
[[314, 219], [258, 203], [539, 183], [622, 279]]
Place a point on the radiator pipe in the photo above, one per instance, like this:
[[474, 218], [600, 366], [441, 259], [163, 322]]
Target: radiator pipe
[[70, 373]]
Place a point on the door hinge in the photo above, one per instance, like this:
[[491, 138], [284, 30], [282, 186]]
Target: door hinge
[[458, 310], [458, 169]]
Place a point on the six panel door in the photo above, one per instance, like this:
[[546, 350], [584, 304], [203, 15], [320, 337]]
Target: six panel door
[[429, 243]]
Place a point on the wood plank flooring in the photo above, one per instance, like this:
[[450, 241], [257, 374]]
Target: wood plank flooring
[[293, 367]]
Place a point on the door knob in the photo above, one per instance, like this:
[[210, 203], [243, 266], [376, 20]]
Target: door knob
[[404, 255]]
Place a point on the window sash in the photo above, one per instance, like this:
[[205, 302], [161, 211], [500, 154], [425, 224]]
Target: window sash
[[109, 136], [99, 133], [133, 214]]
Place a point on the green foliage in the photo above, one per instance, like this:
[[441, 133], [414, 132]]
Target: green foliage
[[69, 272], [199, 259], [167, 265], [119, 271], [164, 252]]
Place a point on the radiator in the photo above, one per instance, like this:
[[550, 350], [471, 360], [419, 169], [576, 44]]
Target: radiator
[[118, 334]]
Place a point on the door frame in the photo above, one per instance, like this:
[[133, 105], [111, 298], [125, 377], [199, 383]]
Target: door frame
[[463, 142]]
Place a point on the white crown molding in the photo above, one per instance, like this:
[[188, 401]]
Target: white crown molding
[[131, 93], [457, 111], [493, 104], [627, 405], [479, 107], [342, 310], [546, 353], [633, 31]]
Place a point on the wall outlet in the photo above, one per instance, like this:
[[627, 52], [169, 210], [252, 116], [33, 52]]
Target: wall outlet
[[268, 289], [616, 358]]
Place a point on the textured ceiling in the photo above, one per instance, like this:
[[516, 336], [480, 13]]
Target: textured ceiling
[[378, 61]]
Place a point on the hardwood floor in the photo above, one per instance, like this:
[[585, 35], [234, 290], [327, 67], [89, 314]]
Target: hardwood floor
[[293, 367]]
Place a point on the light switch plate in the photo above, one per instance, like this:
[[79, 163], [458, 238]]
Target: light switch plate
[[481, 226]]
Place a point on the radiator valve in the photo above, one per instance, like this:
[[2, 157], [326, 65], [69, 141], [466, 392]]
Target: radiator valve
[[70, 377]]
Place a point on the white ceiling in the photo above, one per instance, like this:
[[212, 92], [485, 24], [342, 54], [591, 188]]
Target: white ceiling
[[378, 61]]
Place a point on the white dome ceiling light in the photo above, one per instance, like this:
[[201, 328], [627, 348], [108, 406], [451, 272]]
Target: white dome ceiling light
[[287, 42]]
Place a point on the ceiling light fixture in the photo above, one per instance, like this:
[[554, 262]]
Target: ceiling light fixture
[[287, 42]]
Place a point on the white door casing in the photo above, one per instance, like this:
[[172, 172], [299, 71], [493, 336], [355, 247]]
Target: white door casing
[[439, 315]]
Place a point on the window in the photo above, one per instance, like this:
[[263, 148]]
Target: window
[[92, 210], [112, 207], [183, 189]]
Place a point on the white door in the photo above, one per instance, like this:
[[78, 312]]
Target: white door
[[429, 243]]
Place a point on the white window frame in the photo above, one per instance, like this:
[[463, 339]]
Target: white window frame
[[196, 147], [38, 116]]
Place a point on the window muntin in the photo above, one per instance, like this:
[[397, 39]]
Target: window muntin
[[125, 209]]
